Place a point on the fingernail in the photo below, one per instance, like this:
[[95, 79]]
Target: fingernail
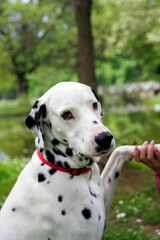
[[146, 142], [152, 142], [136, 148]]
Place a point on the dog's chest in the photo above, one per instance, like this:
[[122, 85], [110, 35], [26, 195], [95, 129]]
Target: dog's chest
[[56, 205], [74, 206]]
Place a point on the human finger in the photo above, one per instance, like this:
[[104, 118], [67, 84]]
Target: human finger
[[136, 154], [150, 152], [143, 151], [157, 153]]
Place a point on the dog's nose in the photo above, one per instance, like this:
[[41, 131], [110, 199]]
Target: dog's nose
[[104, 140]]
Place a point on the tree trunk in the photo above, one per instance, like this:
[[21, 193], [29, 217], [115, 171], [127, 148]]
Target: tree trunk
[[22, 83], [85, 43]]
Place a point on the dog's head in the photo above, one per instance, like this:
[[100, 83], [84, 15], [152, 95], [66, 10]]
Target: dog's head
[[70, 113]]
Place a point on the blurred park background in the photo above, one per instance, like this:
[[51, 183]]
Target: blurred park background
[[111, 45]]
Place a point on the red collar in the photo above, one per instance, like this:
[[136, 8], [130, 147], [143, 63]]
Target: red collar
[[72, 171]]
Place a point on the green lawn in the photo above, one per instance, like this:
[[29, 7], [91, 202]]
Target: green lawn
[[135, 210]]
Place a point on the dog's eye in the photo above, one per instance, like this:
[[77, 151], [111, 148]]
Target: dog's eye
[[67, 115], [95, 106]]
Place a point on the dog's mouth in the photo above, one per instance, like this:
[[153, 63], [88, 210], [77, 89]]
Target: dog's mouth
[[103, 152], [97, 154]]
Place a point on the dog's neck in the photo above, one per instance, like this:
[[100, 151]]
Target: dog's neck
[[61, 154]]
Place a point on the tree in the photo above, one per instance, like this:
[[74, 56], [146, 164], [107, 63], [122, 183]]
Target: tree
[[85, 43], [128, 43], [34, 35]]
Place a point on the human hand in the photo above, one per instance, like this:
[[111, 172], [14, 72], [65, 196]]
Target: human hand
[[148, 155]]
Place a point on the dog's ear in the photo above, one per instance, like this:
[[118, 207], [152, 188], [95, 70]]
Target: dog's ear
[[35, 120]]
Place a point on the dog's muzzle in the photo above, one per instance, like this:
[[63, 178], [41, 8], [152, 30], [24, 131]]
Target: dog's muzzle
[[103, 140]]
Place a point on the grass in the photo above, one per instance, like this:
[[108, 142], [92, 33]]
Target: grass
[[9, 171], [136, 200], [135, 208]]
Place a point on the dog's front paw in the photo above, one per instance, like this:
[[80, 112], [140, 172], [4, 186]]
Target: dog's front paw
[[125, 152]]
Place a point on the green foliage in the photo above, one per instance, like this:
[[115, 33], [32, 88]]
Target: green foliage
[[36, 34], [9, 171], [15, 138], [39, 37], [16, 107], [134, 127], [128, 40], [45, 77], [7, 78]]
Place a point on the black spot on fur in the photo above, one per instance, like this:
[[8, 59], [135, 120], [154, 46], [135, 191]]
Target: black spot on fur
[[95, 122], [14, 209], [41, 177], [30, 122], [90, 175], [69, 152], [65, 140], [86, 212], [81, 154], [60, 198], [41, 150], [109, 180], [42, 164], [63, 212], [95, 94], [58, 152], [42, 135], [36, 104], [37, 119], [59, 163], [43, 110], [66, 165], [90, 161], [50, 156], [50, 125], [55, 142], [71, 176], [52, 171], [99, 217], [92, 194], [101, 116], [116, 175]]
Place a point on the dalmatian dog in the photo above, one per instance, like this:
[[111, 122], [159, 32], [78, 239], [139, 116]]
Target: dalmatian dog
[[60, 193]]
